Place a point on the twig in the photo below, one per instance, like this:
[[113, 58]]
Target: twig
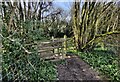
[[13, 40], [31, 65]]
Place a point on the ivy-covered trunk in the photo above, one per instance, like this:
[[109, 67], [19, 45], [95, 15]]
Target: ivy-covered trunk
[[92, 22]]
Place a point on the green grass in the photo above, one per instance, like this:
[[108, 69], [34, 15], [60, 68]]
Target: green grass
[[37, 70], [104, 61], [48, 71]]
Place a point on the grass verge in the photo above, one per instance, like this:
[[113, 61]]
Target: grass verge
[[104, 61]]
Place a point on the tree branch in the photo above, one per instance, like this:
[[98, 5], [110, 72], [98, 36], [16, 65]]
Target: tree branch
[[100, 35], [108, 33]]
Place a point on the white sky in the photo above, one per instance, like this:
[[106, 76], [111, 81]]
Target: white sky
[[56, 0]]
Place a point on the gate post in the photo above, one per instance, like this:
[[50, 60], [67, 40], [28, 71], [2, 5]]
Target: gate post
[[53, 42], [65, 46]]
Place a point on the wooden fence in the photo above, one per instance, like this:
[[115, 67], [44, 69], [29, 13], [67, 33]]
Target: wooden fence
[[54, 48]]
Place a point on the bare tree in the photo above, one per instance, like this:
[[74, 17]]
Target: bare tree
[[92, 22]]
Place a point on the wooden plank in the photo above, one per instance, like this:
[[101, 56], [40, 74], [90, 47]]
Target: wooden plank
[[52, 58], [48, 57], [50, 54], [50, 44], [41, 51], [59, 46], [50, 47]]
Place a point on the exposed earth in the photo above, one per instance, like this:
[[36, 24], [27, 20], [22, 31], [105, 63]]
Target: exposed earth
[[75, 68]]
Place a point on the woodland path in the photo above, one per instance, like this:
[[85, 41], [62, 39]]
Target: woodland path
[[75, 68]]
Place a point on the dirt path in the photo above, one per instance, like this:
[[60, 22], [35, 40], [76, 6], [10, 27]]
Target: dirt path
[[76, 69]]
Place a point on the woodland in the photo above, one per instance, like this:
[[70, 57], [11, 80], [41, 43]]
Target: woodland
[[92, 26]]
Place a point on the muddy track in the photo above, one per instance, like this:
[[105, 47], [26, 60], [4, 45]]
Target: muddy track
[[76, 69]]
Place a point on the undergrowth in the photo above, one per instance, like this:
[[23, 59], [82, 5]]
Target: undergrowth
[[104, 61], [20, 59]]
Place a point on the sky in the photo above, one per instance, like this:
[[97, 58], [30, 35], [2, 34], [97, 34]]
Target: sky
[[63, 5], [66, 4]]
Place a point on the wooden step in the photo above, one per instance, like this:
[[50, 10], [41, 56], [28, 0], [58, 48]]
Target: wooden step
[[49, 49]]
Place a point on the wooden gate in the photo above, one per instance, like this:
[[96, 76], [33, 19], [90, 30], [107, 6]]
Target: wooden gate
[[54, 48]]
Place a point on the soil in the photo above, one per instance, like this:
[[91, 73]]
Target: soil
[[75, 68]]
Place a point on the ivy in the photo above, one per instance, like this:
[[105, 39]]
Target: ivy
[[104, 61], [21, 61]]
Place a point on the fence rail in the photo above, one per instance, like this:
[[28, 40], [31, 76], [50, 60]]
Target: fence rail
[[54, 48]]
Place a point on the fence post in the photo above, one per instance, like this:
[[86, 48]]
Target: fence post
[[53, 41], [65, 46]]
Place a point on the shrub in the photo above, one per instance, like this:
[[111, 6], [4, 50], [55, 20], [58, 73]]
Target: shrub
[[21, 60]]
